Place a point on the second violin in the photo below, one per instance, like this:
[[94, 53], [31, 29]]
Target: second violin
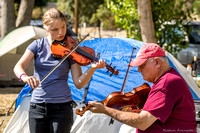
[[131, 101]]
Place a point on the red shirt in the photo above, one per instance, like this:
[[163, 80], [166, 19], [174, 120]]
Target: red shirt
[[171, 102]]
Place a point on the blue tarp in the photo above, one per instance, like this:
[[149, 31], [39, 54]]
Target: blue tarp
[[118, 52]]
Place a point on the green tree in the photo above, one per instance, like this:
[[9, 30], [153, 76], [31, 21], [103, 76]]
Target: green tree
[[38, 8], [196, 6], [163, 11], [126, 16], [86, 9], [104, 15], [170, 17]]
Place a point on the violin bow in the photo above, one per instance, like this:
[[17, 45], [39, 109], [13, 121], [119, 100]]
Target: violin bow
[[63, 59], [125, 80], [127, 72]]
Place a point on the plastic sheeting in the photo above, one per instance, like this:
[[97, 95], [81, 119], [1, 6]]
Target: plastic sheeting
[[118, 52]]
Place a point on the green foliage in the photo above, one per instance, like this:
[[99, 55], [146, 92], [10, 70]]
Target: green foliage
[[37, 13], [104, 15], [170, 18], [86, 9], [126, 16], [67, 7], [38, 8], [196, 6], [40, 3], [167, 34], [52, 0]]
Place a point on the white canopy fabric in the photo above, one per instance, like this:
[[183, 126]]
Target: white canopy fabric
[[98, 123], [20, 36]]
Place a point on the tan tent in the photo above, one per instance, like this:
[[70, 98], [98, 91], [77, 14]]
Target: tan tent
[[11, 49]]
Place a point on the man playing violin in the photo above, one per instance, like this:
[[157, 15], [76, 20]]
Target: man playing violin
[[50, 107], [169, 106]]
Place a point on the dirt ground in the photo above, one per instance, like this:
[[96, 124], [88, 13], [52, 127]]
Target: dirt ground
[[7, 98]]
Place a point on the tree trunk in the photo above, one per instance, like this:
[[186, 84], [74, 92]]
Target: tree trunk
[[7, 17], [25, 13], [146, 21], [76, 16]]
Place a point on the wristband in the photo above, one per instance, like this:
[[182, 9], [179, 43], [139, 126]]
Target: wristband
[[21, 76]]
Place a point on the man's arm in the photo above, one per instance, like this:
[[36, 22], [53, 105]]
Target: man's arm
[[142, 121]]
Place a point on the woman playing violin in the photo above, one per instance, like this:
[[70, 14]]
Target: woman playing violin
[[50, 107]]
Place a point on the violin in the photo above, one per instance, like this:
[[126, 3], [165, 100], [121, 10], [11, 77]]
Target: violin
[[82, 55], [65, 48], [131, 101]]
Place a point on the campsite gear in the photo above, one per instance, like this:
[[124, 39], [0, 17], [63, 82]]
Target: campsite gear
[[82, 55], [130, 101], [63, 59]]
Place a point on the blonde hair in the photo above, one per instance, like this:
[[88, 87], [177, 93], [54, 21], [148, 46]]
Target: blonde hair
[[51, 15]]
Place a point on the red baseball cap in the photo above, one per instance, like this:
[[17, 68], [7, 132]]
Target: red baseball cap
[[147, 51]]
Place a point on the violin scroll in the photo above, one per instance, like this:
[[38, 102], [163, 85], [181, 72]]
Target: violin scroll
[[112, 70], [82, 110]]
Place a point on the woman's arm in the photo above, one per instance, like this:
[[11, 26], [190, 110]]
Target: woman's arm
[[21, 66], [79, 79]]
